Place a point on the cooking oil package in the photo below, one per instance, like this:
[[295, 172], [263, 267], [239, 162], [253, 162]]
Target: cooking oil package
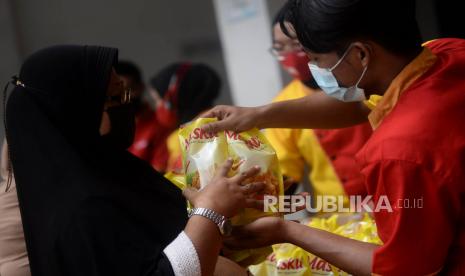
[[290, 260], [204, 152]]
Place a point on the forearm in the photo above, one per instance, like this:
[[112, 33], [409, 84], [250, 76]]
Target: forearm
[[206, 238], [352, 256], [314, 111]]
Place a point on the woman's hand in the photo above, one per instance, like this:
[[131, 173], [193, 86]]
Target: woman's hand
[[237, 119], [262, 232], [224, 195]]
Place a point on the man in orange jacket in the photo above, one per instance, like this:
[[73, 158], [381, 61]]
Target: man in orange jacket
[[415, 158], [328, 154]]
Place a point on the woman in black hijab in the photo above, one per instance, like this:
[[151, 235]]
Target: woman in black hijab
[[88, 206]]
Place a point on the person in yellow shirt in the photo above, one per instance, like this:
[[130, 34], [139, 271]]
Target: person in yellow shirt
[[329, 154]]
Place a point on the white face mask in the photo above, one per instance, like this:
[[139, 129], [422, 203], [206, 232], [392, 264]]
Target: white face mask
[[326, 80]]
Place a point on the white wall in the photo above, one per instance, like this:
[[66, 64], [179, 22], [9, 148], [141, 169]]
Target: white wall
[[9, 59], [9, 55], [254, 75]]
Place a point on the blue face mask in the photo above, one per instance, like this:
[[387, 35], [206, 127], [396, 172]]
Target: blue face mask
[[326, 80]]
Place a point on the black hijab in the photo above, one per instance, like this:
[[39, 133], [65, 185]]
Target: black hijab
[[87, 208], [198, 89]]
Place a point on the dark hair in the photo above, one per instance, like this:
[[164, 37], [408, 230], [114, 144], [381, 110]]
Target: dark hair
[[197, 90], [324, 26], [129, 69]]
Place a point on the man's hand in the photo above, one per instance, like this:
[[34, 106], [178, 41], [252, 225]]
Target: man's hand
[[237, 119], [262, 232]]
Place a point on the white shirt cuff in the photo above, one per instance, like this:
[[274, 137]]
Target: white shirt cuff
[[183, 257]]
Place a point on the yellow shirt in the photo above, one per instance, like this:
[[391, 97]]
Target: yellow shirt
[[297, 148]]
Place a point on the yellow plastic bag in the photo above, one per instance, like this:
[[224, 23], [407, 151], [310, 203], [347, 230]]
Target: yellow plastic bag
[[290, 260], [177, 179], [204, 152]]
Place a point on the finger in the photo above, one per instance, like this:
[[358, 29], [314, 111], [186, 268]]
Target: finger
[[189, 193], [239, 178], [226, 167], [254, 204], [212, 113], [214, 127], [252, 188]]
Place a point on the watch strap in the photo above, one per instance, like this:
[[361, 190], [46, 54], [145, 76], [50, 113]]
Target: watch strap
[[208, 213]]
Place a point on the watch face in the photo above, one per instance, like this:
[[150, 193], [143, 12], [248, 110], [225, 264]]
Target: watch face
[[226, 227]]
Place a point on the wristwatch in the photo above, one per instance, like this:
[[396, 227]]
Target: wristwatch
[[224, 224]]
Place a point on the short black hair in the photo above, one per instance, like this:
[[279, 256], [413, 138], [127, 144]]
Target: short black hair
[[324, 26], [129, 69]]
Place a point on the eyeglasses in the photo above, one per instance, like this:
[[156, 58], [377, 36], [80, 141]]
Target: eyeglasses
[[124, 98], [280, 52]]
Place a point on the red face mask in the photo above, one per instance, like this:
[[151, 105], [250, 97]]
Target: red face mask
[[296, 64]]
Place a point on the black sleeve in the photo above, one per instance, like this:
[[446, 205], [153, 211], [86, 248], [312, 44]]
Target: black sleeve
[[99, 240]]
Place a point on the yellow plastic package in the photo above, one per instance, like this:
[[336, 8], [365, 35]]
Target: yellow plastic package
[[204, 152], [290, 260], [177, 179]]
